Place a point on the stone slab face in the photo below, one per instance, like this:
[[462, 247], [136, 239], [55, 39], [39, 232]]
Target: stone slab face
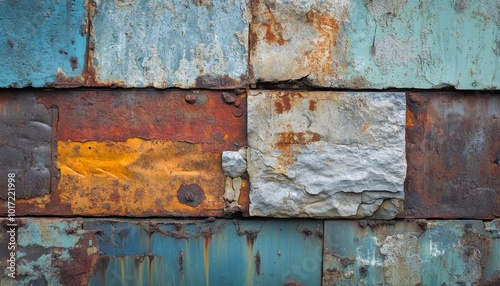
[[42, 42], [453, 151], [376, 44], [170, 43], [326, 154], [412, 252]]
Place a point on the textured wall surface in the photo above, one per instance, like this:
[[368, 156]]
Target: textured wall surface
[[377, 44], [249, 142], [326, 154]]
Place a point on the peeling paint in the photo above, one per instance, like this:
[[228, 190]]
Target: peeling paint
[[189, 44]]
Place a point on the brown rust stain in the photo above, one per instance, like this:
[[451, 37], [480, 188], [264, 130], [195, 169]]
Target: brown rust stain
[[79, 268], [451, 149], [284, 101], [74, 62], [116, 115], [257, 263], [312, 105]]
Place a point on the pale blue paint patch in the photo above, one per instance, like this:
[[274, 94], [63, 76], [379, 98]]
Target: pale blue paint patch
[[49, 233], [171, 44], [39, 39]]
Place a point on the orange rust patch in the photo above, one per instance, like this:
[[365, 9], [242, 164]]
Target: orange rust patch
[[264, 19], [325, 55], [138, 178], [298, 137]]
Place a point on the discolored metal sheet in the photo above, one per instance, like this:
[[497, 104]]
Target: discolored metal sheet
[[198, 117], [42, 43], [453, 153], [376, 44], [210, 252], [25, 144], [415, 252], [135, 178], [176, 43], [49, 252]]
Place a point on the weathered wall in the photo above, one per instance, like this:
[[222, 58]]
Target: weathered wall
[[250, 142]]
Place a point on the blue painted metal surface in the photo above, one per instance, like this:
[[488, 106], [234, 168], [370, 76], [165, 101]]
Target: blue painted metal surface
[[177, 43], [410, 252], [220, 252], [42, 42], [377, 44]]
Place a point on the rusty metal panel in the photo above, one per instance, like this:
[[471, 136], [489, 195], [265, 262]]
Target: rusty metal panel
[[376, 44], [25, 144], [49, 252], [326, 154], [415, 252], [186, 44], [42, 43], [198, 117], [143, 153], [210, 252], [453, 153]]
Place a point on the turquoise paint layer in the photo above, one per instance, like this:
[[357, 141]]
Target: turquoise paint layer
[[222, 252], [424, 44], [39, 39]]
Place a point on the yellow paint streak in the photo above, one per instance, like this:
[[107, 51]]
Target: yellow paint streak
[[137, 177]]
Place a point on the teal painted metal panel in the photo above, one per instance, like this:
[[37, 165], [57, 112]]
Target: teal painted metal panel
[[211, 252], [409, 253], [177, 43], [42, 42], [377, 44]]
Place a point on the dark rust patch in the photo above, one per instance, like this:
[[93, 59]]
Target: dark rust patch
[[346, 261], [374, 223], [452, 144], [10, 43], [207, 81], [191, 195], [257, 262], [74, 62], [228, 98], [191, 98], [181, 262], [78, 270], [363, 271]]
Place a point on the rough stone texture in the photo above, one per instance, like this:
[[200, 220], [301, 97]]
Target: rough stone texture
[[170, 44], [325, 154], [416, 252], [376, 44], [42, 42], [233, 164], [25, 144], [453, 155]]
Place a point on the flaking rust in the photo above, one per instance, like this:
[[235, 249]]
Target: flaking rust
[[453, 153]]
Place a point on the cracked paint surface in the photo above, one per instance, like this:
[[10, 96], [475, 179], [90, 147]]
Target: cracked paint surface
[[170, 44], [326, 154], [376, 44]]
